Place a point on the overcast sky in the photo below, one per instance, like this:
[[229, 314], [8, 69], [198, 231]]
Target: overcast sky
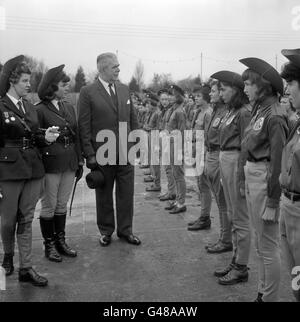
[[167, 35]]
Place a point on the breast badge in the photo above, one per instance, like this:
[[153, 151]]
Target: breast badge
[[216, 122], [259, 124]]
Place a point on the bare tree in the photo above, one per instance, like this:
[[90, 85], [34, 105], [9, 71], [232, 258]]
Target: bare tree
[[139, 74]]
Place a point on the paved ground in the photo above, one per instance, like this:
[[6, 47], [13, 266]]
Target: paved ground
[[170, 265]]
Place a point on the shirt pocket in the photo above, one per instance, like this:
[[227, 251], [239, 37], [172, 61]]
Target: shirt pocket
[[8, 155]]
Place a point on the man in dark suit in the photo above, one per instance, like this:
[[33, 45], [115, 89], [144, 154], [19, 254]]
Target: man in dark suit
[[102, 105]]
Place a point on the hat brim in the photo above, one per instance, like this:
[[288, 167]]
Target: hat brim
[[293, 55], [231, 78], [266, 71]]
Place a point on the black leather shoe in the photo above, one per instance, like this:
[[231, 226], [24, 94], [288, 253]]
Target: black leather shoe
[[8, 264], [200, 225], [170, 206], [224, 271], [178, 210], [259, 298], [29, 275], [220, 248], [130, 239], [153, 188], [105, 240], [235, 276], [167, 197], [148, 179]]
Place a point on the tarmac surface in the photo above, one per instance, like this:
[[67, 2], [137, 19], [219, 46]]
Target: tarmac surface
[[170, 265]]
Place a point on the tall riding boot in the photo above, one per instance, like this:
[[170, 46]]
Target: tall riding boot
[[60, 242], [47, 229], [8, 264]]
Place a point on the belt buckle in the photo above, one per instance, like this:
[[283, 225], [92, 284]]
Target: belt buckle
[[25, 143]]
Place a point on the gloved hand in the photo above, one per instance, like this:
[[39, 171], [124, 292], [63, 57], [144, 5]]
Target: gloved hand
[[91, 163], [269, 215], [79, 172], [52, 134]]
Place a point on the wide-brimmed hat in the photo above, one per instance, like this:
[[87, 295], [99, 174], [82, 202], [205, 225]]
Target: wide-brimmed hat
[[52, 76], [293, 55], [7, 69], [231, 78], [95, 179], [266, 71]]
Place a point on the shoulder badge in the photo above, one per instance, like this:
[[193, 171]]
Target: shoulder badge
[[229, 121], [259, 124], [217, 122]]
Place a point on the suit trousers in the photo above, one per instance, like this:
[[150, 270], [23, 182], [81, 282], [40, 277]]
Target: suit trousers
[[17, 211], [236, 207], [123, 179], [290, 234], [212, 173], [57, 191], [266, 234]]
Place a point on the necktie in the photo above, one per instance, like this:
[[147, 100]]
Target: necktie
[[21, 107], [60, 105], [113, 95]]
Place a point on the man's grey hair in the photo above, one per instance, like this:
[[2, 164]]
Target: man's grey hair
[[102, 60]]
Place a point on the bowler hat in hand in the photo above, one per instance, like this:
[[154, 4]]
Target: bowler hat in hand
[[95, 179]]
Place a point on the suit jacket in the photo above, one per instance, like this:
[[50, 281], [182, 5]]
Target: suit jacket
[[97, 112], [59, 157], [17, 163]]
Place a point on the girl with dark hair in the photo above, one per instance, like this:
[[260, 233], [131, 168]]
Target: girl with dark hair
[[212, 171], [62, 160], [21, 168], [231, 135], [263, 144]]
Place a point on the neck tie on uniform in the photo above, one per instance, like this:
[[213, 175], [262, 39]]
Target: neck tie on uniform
[[21, 107], [113, 95], [60, 105]]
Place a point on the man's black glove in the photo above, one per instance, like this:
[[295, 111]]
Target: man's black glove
[[79, 173], [91, 163]]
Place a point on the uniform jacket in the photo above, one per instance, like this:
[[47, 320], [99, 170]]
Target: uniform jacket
[[290, 165], [17, 163], [264, 140], [60, 157], [97, 112], [153, 120], [212, 135]]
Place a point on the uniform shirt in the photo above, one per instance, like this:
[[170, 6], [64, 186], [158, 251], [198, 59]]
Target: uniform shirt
[[233, 127], [15, 101], [264, 140], [290, 165], [212, 135], [201, 120], [176, 119]]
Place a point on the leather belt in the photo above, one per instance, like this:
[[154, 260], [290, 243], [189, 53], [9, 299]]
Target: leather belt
[[217, 149], [65, 140], [231, 149], [294, 197], [250, 159], [22, 143]]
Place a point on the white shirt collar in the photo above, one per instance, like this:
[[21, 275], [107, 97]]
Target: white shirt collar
[[105, 85], [14, 100], [55, 103]]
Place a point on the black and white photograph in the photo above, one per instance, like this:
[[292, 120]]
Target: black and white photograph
[[149, 154]]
